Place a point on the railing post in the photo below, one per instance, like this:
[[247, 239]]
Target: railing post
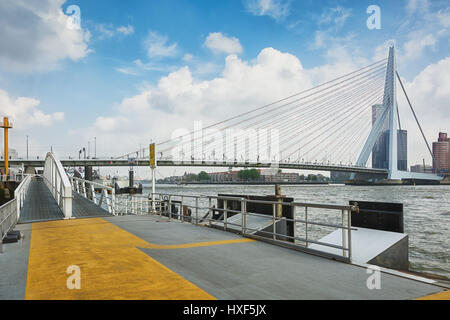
[[209, 209], [113, 200], [196, 210], [306, 226], [94, 198], [349, 224], [225, 213], [294, 218], [274, 213], [83, 185], [343, 234], [170, 207], [243, 216], [181, 210]]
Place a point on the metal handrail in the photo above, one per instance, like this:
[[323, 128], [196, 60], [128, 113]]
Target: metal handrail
[[167, 201], [8, 219], [21, 191], [57, 181], [86, 189], [10, 211]]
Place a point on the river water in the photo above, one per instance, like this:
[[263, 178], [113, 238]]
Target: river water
[[426, 212]]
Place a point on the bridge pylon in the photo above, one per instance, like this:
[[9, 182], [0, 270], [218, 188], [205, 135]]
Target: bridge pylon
[[389, 113]]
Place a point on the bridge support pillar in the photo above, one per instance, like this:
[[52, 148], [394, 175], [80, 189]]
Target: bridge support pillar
[[88, 173]]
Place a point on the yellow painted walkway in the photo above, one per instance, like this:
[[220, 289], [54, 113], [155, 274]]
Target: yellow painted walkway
[[445, 295], [110, 263]]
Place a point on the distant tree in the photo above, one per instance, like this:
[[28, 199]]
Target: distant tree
[[203, 176], [192, 177], [249, 175]]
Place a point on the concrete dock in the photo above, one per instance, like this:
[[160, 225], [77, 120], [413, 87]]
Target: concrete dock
[[152, 257]]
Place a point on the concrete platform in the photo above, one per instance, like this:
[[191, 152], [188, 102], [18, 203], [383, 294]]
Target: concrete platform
[[150, 257]]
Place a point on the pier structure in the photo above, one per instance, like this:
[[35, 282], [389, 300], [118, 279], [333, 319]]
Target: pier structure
[[122, 248]]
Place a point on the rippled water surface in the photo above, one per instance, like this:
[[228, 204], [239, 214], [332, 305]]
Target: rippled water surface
[[426, 212]]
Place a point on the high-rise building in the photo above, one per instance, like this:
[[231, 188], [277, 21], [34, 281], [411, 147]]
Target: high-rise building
[[402, 150], [380, 151], [441, 153]]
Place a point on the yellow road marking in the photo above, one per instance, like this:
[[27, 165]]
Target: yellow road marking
[[111, 265], [445, 295]]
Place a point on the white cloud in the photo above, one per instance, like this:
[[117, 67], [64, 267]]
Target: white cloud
[[430, 90], [417, 6], [414, 48], [23, 111], [335, 17], [125, 30], [276, 9], [444, 17], [179, 98], [109, 123], [219, 43], [429, 93], [36, 36], [106, 30], [127, 71], [188, 57], [156, 46]]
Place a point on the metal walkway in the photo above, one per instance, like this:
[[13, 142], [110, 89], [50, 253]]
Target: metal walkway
[[84, 208], [41, 206]]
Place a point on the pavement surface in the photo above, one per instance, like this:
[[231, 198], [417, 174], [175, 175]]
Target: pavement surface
[[152, 257]]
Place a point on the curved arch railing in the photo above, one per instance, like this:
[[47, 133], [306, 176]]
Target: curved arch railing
[[58, 183]]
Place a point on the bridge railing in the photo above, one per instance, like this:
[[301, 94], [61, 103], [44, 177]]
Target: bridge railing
[[308, 227], [57, 181], [105, 197], [136, 204], [8, 219], [10, 211]]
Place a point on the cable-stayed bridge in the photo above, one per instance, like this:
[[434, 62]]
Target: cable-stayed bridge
[[339, 125], [348, 124]]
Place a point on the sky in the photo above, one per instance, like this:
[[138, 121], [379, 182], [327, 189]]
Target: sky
[[124, 73]]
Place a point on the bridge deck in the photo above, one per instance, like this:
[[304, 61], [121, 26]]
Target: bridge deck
[[151, 257], [84, 208], [41, 206]]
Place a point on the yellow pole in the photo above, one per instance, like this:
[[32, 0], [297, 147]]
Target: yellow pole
[[6, 125]]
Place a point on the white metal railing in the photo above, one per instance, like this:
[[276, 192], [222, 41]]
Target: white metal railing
[[21, 192], [57, 181], [105, 198], [309, 222], [205, 209], [8, 219], [10, 211], [134, 204]]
